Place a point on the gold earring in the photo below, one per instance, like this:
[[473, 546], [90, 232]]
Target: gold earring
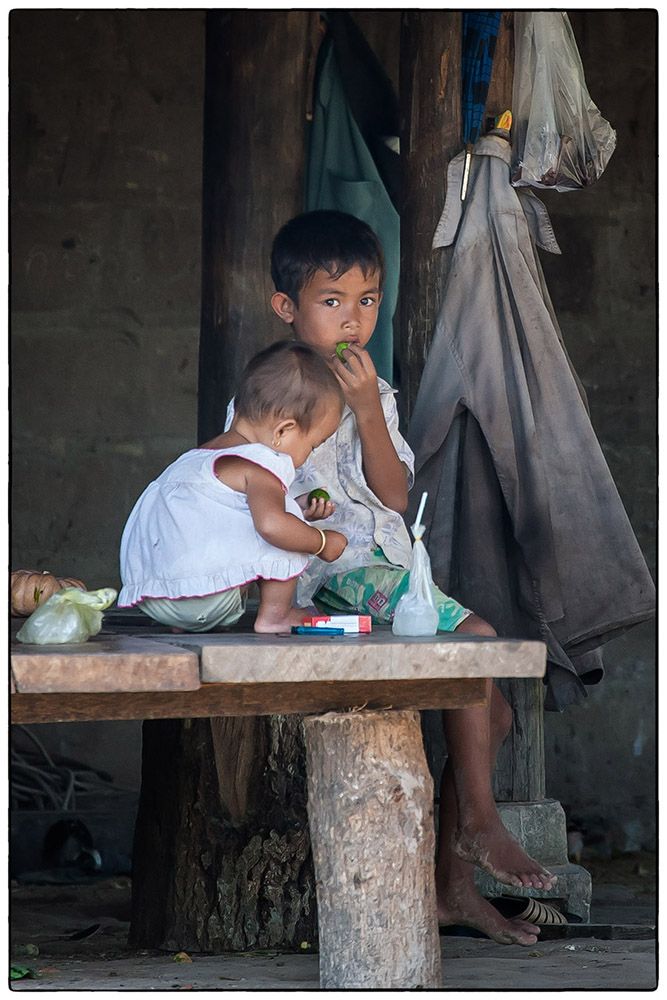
[[274, 443]]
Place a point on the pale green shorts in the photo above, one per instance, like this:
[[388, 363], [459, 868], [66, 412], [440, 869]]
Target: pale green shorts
[[375, 590], [196, 614]]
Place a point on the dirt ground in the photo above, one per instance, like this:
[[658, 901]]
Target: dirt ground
[[74, 938]]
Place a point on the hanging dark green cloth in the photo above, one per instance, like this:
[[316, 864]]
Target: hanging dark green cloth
[[342, 173]]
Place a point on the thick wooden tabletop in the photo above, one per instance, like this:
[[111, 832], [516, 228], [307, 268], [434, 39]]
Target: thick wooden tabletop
[[104, 663], [136, 673], [245, 657]]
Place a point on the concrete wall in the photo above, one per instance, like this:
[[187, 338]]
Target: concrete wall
[[106, 132], [106, 163], [601, 756], [106, 159]]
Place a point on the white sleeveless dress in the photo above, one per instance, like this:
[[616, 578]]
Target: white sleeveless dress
[[190, 535]]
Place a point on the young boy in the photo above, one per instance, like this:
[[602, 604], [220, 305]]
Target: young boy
[[327, 268]]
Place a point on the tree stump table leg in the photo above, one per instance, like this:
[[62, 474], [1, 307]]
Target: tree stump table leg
[[370, 809]]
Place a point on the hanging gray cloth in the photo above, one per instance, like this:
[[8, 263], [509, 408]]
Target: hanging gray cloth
[[526, 526]]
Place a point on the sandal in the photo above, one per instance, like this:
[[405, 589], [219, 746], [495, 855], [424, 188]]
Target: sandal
[[535, 911]]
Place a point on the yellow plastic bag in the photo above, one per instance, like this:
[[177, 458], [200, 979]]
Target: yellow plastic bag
[[71, 615]]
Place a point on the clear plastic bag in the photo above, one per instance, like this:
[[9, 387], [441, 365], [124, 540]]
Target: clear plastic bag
[[71, 615], [416, 613], [559, 138]]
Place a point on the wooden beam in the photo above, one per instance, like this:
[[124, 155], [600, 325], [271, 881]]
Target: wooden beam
[[248, 699]]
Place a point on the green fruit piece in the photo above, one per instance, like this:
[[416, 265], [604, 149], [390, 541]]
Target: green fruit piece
[[340, 348], [318, 494]]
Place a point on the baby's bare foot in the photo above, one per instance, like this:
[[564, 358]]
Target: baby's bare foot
[[466, 908], [272, 622], [494, 850]]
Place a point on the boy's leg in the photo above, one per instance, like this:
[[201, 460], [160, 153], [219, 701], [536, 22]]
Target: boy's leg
[[276, 611], [470, 829], [481, 836], [459, 901]]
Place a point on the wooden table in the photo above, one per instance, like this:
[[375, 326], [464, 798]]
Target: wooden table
[[370, 792]]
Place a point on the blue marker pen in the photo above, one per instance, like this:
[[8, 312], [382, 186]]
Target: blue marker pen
[[313, 630]]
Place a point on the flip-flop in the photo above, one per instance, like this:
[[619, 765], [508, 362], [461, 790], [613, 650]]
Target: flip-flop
[[534, 911]]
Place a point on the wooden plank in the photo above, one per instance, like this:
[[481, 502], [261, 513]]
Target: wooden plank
[[381, 656], [104, 664], [248, 699]]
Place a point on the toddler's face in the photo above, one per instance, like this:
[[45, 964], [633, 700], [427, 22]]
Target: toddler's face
[[299, 443], [332, 310]]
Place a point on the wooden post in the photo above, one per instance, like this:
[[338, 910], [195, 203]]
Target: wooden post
[[221, 857], [370, 807], [499, 96], [430, 98], [229, 868], [256, 100], [431, 136], [520, 767]]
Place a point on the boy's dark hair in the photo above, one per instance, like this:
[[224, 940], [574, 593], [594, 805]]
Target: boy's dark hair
[[287, 379], [323, 240]]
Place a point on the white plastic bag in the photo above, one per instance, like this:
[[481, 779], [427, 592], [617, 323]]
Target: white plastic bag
[[559, 138], [71, 615], [416, 613]]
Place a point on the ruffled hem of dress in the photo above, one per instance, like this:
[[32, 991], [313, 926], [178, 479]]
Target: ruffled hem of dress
[[203, 586]]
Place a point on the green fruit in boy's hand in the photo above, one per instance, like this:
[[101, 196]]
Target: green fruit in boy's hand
[[343, 346], [318, 494]]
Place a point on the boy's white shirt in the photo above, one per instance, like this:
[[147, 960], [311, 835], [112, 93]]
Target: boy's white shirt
[[336, 466]]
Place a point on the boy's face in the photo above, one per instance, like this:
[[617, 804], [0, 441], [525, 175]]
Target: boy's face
[[331, 310]]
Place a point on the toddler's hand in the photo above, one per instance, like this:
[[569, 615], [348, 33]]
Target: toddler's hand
[[358, 378], [335, 546], [318, 509]]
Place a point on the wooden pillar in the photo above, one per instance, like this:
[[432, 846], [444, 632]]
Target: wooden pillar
[[222, 857], [431, 135], [430, 99], [370, 807], [520, 766], [258, 67], [499, 96]]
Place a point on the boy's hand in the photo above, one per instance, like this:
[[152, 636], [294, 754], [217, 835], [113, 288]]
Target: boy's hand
[[335, 546], [317, 510], [358, 379]]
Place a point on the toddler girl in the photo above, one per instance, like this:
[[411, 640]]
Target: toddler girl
[[220, 516]]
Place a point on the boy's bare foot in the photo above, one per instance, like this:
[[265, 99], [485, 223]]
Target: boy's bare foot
[[267, 622], [466, 908], [496, 851]]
